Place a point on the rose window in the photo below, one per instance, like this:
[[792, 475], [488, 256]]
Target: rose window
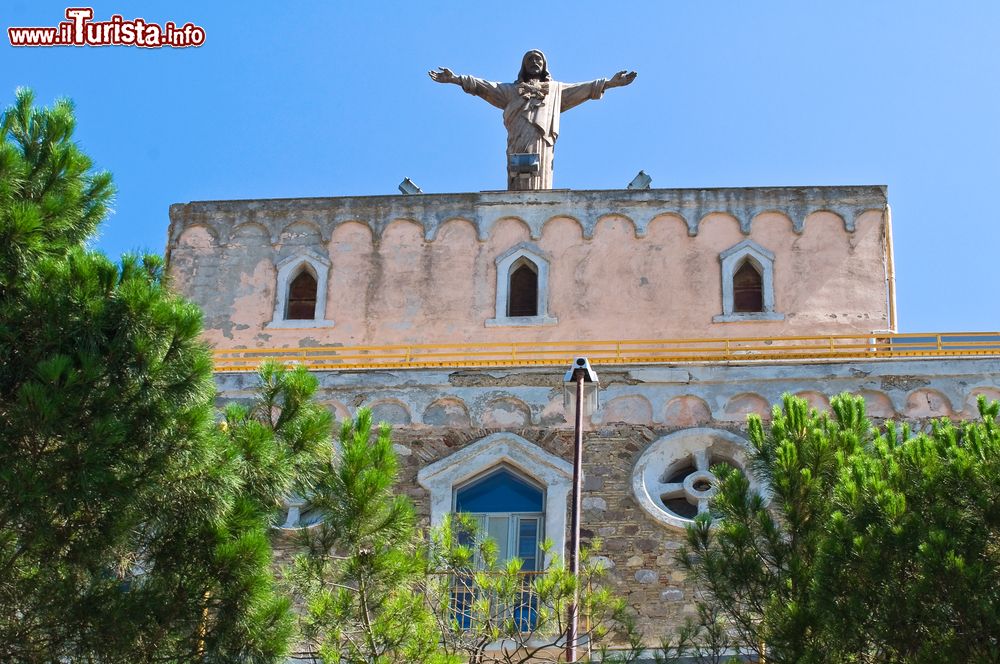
[[673, 479]]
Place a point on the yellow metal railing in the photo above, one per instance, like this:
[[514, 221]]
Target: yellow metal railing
[[639, 351]]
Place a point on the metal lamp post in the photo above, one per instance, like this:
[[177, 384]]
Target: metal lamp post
[[580, 387]]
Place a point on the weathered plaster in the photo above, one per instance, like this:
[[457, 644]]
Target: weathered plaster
[[423, 269], [655, 395]]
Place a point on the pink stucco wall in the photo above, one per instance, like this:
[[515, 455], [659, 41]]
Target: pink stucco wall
[[398, 286]]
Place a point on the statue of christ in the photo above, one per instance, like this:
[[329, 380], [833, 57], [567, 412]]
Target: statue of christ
[[531, 107]]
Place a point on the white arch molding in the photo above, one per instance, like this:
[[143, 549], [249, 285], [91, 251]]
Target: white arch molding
[[556, 475], [288, 269], [524, 251], [763, 260]]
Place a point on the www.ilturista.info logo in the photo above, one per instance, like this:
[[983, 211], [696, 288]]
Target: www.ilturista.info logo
[[81, 30]]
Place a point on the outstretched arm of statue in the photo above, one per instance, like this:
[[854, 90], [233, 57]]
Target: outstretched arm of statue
[[445, 75], [621, 79], [574, 94], [495, 93]]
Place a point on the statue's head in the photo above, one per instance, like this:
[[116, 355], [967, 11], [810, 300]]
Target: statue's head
[[534, 67]]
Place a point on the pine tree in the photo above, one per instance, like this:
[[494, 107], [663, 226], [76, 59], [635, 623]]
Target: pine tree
[[132, 527], [911, 560], [490, 612], [874, 546], [360, 576]]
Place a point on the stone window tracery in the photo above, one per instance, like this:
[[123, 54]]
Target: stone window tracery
[[673, 479], [296, 513]]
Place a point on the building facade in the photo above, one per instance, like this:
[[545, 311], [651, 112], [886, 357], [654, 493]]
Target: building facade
[[454, 316]]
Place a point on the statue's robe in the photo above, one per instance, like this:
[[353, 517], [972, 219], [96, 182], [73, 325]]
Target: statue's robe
[[531, 114]]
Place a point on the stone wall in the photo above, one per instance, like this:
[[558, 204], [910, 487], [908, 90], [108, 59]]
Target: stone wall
[[437, 414]]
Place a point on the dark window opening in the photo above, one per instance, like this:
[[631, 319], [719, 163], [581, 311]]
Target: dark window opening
[[522, 292], [302, 297], [748, 289]]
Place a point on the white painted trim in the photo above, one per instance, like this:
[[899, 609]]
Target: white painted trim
[[556, 475], [302, 324], [763, 260], [521, 321], [747, 316], [505, 262], [288, 269]]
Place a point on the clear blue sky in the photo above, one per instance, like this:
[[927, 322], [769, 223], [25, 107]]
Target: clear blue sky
[[310, 98]]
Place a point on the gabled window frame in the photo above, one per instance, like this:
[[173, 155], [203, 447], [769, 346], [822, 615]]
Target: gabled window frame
[[544, 469], [506, 264], [763, 260], [288, 269]]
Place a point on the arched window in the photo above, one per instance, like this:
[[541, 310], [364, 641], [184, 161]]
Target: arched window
[[461, 471], [302, 297], [522, 288], [300, 293], [748, 289], [747, 284], [509, 509], [522, 293]]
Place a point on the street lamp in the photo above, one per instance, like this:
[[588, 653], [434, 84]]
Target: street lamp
[[580, 387]]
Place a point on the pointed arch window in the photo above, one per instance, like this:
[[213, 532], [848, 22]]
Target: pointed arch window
[[522, 288], [522, 293], [509, 509], [502, 476], [302, 297], [301, 291], [748, 289], [747, 284]]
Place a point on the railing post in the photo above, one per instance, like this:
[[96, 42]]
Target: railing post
[[409, 354], [939, 346]]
